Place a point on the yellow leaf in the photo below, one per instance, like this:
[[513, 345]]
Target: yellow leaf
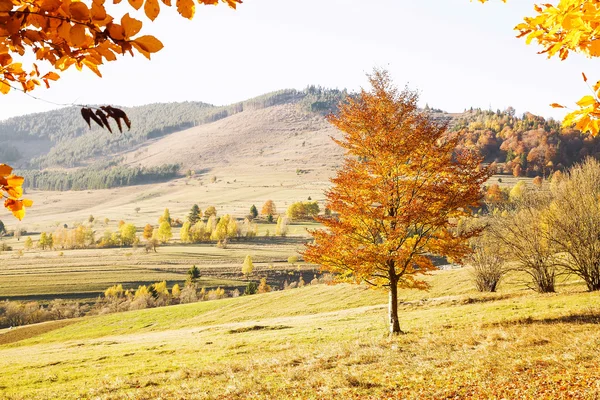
[[92, 66], [131, 26], [556, 105], [186, 8], [586, 101], [14, 180], [4, 87], [27, 202], [595, 48], [77, 35], [15, 68], [136, 3], [152, 9], [5, 169], [14, 192], [79, 11], [16, 206], [149, 43]]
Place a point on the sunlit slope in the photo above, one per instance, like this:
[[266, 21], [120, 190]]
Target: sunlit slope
[[319, 342], [277, 138]]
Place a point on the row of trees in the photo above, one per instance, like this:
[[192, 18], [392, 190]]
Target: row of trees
[[102, 176], [544, 233]]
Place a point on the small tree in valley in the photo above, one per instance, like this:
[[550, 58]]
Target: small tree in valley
[[248, 266], [282, 226], [401, 187], [184, 233], [164, 233], [268, 208], [193, 274], [28, 243], [148, 229], [194, 215], [166, 217], [253, 211], [210, 211]]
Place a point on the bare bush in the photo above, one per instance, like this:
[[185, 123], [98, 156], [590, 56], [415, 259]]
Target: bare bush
[[188, 294], [488, 264], [525, 238], [574, 221]]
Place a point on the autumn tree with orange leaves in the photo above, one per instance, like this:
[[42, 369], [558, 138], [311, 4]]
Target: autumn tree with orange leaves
[[397, 197], [60, 34]]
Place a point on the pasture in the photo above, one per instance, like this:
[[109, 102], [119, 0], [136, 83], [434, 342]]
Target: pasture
[[320, 342]]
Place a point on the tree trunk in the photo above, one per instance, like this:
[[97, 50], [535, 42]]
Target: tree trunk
[[393, 307]]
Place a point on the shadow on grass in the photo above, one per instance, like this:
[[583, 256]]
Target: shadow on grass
[[580, 318], [258, 328], [29, 331]]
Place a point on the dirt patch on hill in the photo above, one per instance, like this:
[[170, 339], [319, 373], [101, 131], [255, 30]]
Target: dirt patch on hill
[[28, 331]]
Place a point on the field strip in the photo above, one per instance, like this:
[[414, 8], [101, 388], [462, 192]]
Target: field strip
[[28, 331]]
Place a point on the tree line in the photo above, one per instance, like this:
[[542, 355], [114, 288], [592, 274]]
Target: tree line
[[98, 176]]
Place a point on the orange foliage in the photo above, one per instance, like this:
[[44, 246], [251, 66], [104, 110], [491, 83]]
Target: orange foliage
[[398, 195], [494, 194], [12, 190], [63, 33], [569, 26]]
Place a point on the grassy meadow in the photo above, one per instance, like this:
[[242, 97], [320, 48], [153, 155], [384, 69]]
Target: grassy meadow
[[320, 341]]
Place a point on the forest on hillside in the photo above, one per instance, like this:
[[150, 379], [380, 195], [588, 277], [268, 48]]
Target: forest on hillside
[[523, 146], [98, 176]]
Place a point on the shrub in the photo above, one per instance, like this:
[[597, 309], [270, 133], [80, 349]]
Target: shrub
[[188, 294], [251, 288], [263, 287]]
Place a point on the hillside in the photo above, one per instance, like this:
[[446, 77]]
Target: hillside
[[321, 341], [280, 131], [62, 139]]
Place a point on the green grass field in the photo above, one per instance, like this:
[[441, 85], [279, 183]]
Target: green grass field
[[320, 342]]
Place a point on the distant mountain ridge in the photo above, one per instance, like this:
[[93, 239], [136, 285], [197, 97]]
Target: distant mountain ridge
[[282, 130], [61, 138]]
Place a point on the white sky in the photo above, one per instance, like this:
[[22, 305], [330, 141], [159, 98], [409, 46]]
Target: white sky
[[457, 53]]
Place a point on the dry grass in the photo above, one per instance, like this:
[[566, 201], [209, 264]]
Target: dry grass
[[321, 342]]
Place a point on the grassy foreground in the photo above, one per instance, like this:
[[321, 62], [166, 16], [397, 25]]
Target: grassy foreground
[[320, 342]]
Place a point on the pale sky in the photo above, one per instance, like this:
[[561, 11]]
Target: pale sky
[[457, 53]]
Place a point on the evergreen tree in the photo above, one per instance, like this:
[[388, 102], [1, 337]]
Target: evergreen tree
[[194, 215], [251, 288], [253, 211], [193, 274]]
